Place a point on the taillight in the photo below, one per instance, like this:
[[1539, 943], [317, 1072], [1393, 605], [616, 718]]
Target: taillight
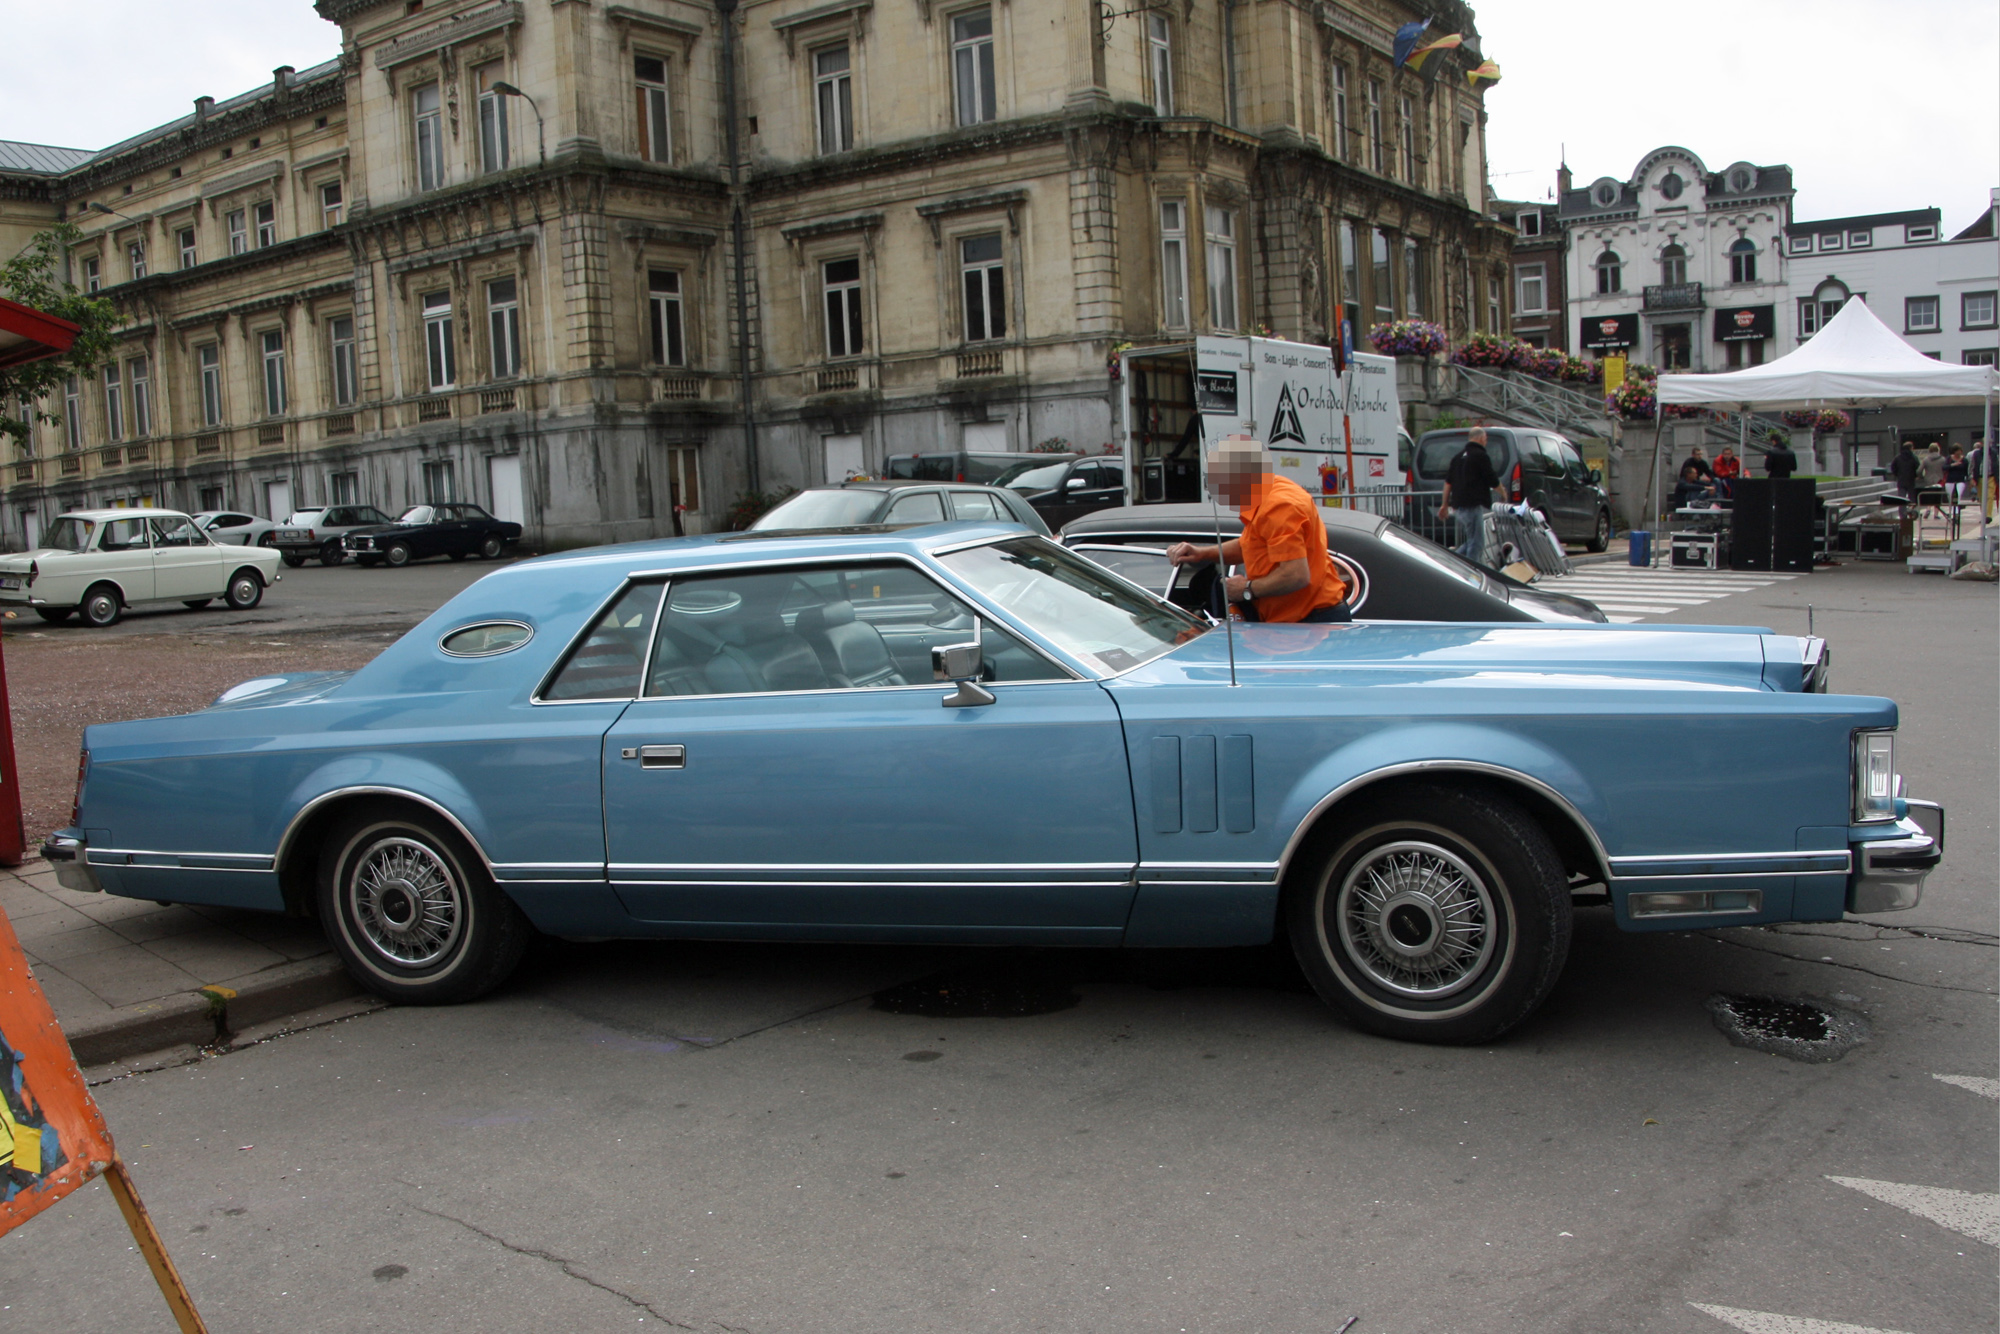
[[34, 568], [76, 802], [1514, 483]]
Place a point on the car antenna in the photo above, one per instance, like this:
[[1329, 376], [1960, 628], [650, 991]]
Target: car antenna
[[1222, 577], [1809, 629]]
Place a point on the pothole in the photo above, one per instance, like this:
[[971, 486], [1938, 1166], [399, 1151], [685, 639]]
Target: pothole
[[978, 996], [1798, 1028]]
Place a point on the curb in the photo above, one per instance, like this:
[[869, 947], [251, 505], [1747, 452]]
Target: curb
[[193, 1017]]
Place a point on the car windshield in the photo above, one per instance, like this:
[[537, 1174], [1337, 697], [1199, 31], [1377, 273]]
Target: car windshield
[[416, 514], [830, 508], [1030, 478], [368, 514], [1435, 556], [1072, 603], [68, 534]]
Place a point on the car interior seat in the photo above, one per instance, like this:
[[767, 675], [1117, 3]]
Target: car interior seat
[[758, 653], [852, 652]]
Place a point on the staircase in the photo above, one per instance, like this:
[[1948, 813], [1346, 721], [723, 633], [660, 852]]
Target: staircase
[[1525, 400]]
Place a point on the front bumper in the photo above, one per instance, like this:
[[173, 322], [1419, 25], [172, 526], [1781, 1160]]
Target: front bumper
[[1889, 873], [65, 853]]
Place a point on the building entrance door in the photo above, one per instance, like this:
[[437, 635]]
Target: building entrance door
[[1671, 345], [503, 480]]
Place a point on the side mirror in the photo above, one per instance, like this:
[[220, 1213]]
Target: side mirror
[[961, 663], [1597, 477], [1074, 484]]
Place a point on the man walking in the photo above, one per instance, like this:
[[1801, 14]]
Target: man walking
[[1468, 495], [1287, 574], [1906, 468]]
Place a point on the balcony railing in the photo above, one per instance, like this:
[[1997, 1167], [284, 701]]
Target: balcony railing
[[72, 463], [24, 472], [983, 362], [138, 453], [208, 442], [433, 409], [270, 433], [674, 388], [835, 379], [1674, 296], [111, 457], [496, 400], [340, 423]]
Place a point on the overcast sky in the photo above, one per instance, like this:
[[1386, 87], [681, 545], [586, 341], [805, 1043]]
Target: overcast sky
[[1878, 105]]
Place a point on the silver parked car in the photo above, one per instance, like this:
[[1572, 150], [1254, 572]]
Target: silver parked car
[[316, 533], [237, 529]]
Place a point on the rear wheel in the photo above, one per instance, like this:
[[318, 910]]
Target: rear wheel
[[55, 615], [293, 559], [491, 548], [101, 607], [268, 540], [330, 553], [1600, 534], [1432, 913], [397, 553], [412, 913], [245, 590], [196, 604]]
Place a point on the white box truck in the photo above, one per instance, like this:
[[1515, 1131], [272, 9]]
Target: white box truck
[[1180, 399]]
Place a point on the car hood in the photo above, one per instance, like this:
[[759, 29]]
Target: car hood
[[1412, 653], [373, 529], [280, 688], [1544, 605]]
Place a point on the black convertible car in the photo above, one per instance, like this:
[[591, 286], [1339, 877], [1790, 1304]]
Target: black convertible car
[[456, 531], [1391, 573]]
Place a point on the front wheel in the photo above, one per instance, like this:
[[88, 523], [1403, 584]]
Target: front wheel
[[101, 607], [1600, 536], [411, 911], [245, 591], [330, 553], [1433, 914], [491, 548], [293, 559], [397, 554]]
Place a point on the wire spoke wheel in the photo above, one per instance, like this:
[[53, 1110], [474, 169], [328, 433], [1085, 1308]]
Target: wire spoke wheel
[[1417, 919], [407, 901]]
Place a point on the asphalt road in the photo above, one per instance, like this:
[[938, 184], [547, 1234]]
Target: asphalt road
[[757, 1138]]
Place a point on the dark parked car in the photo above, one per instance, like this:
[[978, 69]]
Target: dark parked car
[[981, 469], [866, 504], [1391, 573], [456, 531], [1540, 467], [1064, 489]]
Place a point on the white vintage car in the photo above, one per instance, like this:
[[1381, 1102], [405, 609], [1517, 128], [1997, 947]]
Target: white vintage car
[[99, 562]]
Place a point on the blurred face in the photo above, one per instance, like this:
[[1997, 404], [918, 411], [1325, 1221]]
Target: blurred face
[[1236, 471]]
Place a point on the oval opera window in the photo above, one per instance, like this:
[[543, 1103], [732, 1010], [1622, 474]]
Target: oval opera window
[[1671, 185], [1605, 193], [486, 639], [1740, 179]]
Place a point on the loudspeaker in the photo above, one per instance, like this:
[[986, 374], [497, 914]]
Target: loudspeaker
[[1750, 524], [1792, 504]]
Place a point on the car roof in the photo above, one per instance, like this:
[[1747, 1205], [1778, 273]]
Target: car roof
[[1189, 517], [130, 512], [669, 553], [899, 484]]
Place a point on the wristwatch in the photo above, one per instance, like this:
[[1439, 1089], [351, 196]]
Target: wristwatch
[[1249, 593]]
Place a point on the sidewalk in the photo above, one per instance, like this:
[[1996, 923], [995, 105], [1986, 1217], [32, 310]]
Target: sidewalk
[[126, 976]]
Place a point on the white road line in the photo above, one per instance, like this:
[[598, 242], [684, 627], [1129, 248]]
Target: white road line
[[1977, 1083], [1764, 1322], [1973, 1213], [1628, 594]]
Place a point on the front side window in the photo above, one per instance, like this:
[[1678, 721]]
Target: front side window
[[1384, 275], [1160, 61], [209, 357], [983, 274], [1173, 264], [427, 109], [177, 532], [842, 278], [114, 404], [1530, 289], [649, 82], [332, 204], [267, 224], [833, 98], [1743, 260], [1221, 258], [73, 412], [495, 150], [135, 258], [1673, 266], [503, 327], [139, 372], [663, 302], [1920, 314], [1610, 273], [238, 225], [440, 354], [1374, 126], [1978, 310], [190, 256], [340, 348], [1073, 603], [972, 66], [273, 348]]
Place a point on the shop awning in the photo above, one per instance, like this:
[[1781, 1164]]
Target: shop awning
[[26, 334]]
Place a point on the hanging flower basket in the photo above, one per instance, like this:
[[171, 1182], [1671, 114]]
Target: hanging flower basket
[[1408, 338], [1490, 351], [1820, 421]]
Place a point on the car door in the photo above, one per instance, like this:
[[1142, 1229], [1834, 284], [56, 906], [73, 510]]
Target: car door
[[125, 556], [231, 528], [1104, 487], [756, 790], [186, 565], [1582, 491]]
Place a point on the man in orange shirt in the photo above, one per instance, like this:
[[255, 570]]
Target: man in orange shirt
[[1287, 573]]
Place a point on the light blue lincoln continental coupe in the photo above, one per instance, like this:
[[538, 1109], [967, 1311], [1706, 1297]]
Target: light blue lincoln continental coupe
[[964, 733]]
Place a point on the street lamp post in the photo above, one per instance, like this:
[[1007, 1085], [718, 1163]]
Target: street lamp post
[[541, 139]]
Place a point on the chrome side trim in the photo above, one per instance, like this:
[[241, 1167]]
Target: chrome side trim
[[258, 861], [920, 867], [370, 790], [1445, 767], [1733, 865]]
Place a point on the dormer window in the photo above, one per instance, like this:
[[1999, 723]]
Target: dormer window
[[1920, 232], [1671, 186], [1528, 222]]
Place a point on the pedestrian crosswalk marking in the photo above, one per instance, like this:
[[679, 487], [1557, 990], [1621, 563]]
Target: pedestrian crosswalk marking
[[1764, 1322], [1976, 1083], [1974, 1213], [1630, 593]]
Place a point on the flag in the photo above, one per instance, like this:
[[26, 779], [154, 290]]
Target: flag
[[1488, 70], [1407, 37], [1423, 53]]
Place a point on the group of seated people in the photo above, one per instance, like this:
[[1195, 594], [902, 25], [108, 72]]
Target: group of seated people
[[1703, 484]]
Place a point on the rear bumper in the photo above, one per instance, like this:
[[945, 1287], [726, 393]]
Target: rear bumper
[[65, 853], [1889, 873]]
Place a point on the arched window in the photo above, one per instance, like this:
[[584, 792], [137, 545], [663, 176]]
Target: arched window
[[1821, 306], [1743, 260], [1610, 272], [1673, 265]]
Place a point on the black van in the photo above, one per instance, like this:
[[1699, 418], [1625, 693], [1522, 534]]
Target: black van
[[965, 466], [1540, 467]]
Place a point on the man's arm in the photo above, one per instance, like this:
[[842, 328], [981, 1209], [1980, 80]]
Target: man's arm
[[1187, 553], [1287, 576]]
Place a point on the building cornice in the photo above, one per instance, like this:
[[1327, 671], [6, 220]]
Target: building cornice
[[217, 129]]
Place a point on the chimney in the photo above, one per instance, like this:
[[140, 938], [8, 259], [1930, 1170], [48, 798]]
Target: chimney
[[1562, 181], [202, 106], [281, 79]]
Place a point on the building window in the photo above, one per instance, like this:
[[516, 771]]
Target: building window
[[1531, 289], [833, 98], [1821, 306], [1674, 265], [1350, 278], [1340, 111], [1384, 276], [428, 109], [209, 357], [1375, 126], [1832, 241], [1744, 352], [267, 224], [340, 347], [1920, 314], [684, 479], [1980, 356], [1743, 260], [239, 231], [1406, 137], [440, 483], [842, 279], [1920, 232], [332, 204], [211, 498], [1861, 239], [273, 344], [983, 278], [503, 327], [73, 412], [972, 66], [135, 257], [1977, 310], [1221, 268], [1610, 273], [440, 355], [1528, 222], [1493, 304], [1799, 245], [1160, 61], [139, 372], [114, 404], [93, 274], [495, 149], [189, 255], [649, 83], [663, 289], [1173, 264], [344, 488], [1416, 290]]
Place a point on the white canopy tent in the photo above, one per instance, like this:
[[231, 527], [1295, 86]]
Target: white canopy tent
[[1855, 360]]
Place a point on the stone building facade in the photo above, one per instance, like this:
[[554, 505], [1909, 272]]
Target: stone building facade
[[1540, 302], [606, 267]]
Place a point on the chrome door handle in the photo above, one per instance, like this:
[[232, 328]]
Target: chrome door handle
[[659, 757]]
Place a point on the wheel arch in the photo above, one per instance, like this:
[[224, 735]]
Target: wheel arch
[[102, 581], [248, 567], [297, 857]]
